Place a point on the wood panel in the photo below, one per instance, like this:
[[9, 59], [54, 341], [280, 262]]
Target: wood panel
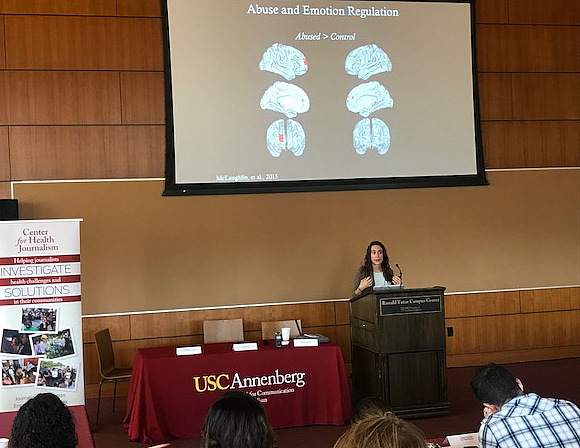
[[495, 96], [482, 304], [491, 11], [60, 7], [511, 356], [83, 43], [143, 98], [513, 332], [55, 97], [5, 190], [540, 11], [538, 300], [4, 155], [144, 8], [528, 48], [119, 327], [81, 152], [2, 45], [531, 144], [546, 96]]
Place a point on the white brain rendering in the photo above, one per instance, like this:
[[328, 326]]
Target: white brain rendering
[[284, 60], [287, 136], [369, 134], [285, 98], [367, 98], [367, 61]]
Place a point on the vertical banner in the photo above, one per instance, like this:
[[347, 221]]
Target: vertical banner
[[40, 311]]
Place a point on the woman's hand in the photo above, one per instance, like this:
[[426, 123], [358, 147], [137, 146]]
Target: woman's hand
[[365, 283], [396, 280]]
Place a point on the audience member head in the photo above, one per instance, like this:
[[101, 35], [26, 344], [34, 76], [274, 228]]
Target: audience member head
[[236, 420], [495, 385], [367, 407], [382, 431], [43, 421]]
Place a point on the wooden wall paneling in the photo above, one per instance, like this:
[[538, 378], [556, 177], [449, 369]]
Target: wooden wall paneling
[[4, 155], [145, 8], [528, 48], [143, 98], [557, 299], [531, 144], [119, 327], [342, 312], [495, 96], [55, 97], [2, 45], [491, 11], [546, 96], [87, 152], [557, 12], [59, 7], [83, 43], [482, 304], [550, 329], [342, 339], [513, 332], [511, 356], [483, 334], [154, 325]]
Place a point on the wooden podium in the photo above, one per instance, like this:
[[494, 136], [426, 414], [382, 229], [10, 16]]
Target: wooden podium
[[398, 350]]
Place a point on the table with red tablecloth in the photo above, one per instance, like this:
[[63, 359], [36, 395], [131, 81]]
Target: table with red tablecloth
[[80, 417], [170, 395]]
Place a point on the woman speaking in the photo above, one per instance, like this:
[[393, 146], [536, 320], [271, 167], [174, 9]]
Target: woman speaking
[[375, 270]]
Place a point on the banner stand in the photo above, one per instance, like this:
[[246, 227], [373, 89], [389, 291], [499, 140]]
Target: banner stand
[[40, 311]]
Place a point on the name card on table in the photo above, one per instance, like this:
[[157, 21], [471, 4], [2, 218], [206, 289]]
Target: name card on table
[[305, 342], [245, 346], [462, 440], [184, 351]]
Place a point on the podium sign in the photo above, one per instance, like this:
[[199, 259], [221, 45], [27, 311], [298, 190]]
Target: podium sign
[[40, 311], [398, 350]]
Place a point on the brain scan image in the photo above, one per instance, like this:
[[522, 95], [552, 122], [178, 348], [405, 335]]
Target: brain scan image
[[284, 60], [369, 134], [287, 136], [367, 61], [285, 98], [367, 98]]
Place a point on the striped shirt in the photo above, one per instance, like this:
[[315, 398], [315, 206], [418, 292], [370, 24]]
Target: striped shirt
[[530, 421]]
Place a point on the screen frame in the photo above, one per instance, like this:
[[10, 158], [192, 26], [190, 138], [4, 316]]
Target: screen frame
[[173, 188]]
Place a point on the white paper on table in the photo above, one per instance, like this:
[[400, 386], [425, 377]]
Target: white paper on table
[[185, 351], [245, 346], [462, 440]]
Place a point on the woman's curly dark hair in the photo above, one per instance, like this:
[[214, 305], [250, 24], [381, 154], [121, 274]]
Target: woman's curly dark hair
[[43, 421], [236, 420]]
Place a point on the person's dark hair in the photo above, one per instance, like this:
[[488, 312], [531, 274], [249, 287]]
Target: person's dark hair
[[367, 266], [494, 384], [382, 431], [43, 421], [367, 407], [236, 420]]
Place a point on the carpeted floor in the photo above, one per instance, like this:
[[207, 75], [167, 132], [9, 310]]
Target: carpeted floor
[[548, 378]]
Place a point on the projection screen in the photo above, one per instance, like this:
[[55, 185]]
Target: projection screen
[[286, 95]]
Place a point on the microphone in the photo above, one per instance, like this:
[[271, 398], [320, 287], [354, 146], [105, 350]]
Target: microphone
[[400, 272]]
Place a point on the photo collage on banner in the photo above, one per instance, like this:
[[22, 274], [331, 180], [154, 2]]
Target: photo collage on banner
[[41, 349]]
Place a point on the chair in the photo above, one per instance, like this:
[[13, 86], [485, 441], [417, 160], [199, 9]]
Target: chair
[[223, 330], [107, 368], [269, 329]]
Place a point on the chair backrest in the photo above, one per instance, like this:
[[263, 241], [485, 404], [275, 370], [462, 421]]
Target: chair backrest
[[223, 330], [105, 351], [269, 329]]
